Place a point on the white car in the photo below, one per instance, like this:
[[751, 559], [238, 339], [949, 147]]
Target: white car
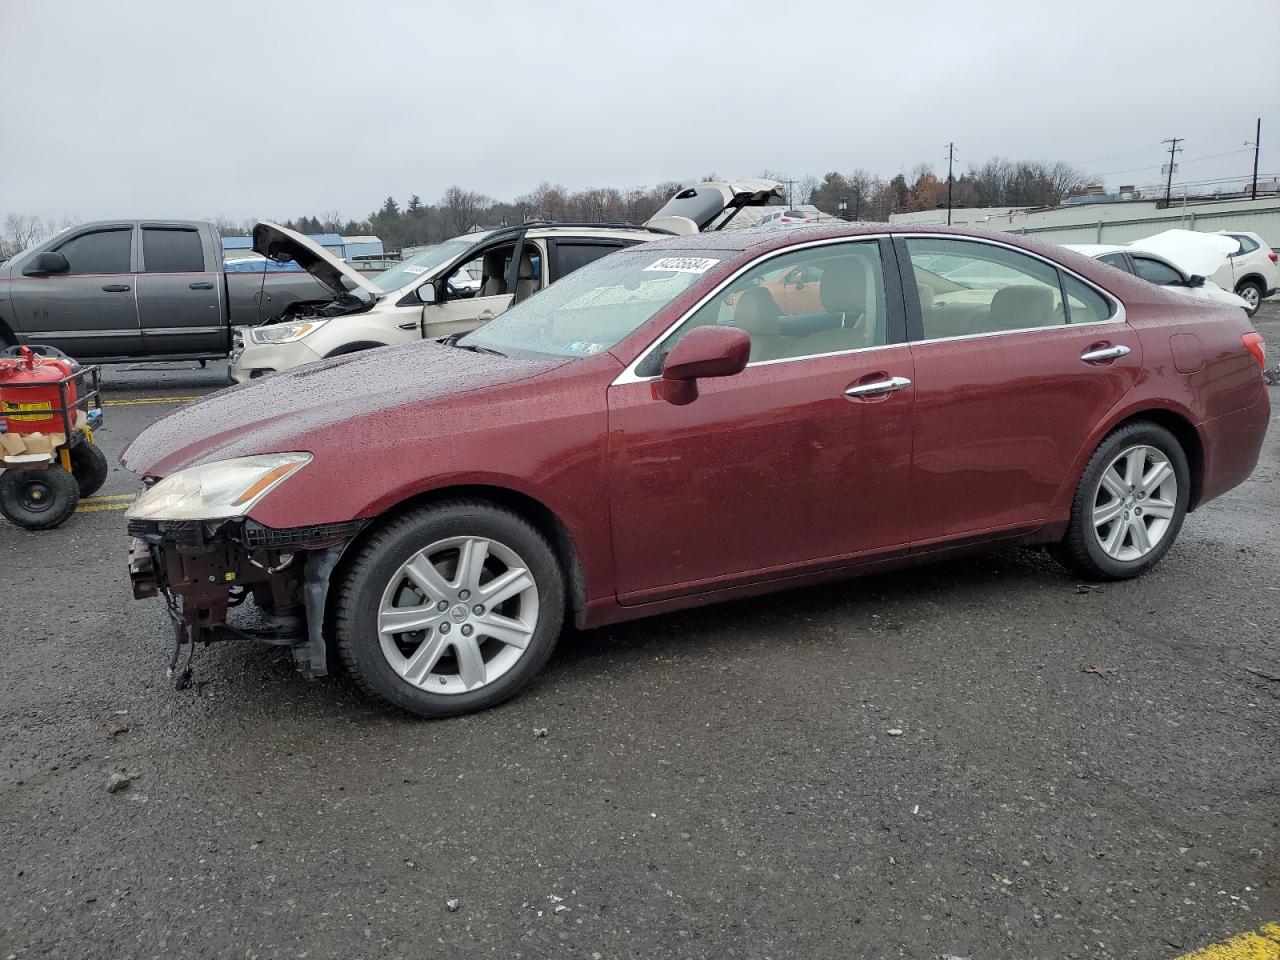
[[1251, 270], [413, 301], [1179, 260]]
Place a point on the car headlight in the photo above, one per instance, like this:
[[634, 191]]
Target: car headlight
[[213, 491], [286, 332]]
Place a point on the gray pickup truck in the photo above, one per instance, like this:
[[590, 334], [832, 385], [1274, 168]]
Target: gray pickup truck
[[123, 290]]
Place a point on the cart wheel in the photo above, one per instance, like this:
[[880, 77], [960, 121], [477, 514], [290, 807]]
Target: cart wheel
[[38, 499], [89, 467]]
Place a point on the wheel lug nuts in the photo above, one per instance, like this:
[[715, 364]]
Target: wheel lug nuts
[[442, 606], [464, 594], [478, 610], [444, 627], [466, 630]]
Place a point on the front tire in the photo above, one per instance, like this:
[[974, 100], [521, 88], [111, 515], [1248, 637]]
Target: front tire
[[450, 608], [1251, 292], [1129, 505], [38, 499]]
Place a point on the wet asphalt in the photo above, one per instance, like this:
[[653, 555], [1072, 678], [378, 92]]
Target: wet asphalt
[[981, 759]]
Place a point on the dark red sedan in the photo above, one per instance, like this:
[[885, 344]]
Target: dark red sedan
[[655, 431]]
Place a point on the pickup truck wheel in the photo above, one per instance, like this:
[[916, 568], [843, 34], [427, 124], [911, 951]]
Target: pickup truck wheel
[[89, 467], [1129, 506], [450, 608], [1251, 293], [38, 499]]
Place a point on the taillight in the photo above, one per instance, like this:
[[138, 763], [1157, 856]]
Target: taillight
[[1274, 256], [1254, 343]]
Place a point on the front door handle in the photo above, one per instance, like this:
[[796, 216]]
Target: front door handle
[[1105, 354], [877, 387], [116, 287], [201, 285]]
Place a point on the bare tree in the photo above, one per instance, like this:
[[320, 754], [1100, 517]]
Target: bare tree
[[462, 208], [22, 230]]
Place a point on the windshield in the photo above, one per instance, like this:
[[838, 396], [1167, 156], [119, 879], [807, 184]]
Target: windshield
[[419, 265], [597, 306]]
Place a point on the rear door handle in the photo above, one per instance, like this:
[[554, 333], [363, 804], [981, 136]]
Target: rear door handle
[[877, 387], [201, 285], [1103, 354], [116, 287]]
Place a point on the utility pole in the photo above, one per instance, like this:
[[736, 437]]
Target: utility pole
[[1257, 141], [1174, 150], [951, 156], [789, 184]]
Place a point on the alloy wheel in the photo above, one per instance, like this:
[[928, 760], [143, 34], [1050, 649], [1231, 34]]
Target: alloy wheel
[[1249, 293], [1135, 502], [458, 615]]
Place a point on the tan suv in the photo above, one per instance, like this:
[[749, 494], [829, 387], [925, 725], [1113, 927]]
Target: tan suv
[[420, 298]]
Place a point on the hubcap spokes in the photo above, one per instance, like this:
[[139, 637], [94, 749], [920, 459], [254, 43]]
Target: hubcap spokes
[[1134, 504], [458, 614]]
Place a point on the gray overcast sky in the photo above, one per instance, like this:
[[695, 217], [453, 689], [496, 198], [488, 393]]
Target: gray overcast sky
[[276, 109]]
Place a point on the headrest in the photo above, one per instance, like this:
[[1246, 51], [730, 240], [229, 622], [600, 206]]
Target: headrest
[[757, 313], [1024, 305], [844, 288], [526, 268]]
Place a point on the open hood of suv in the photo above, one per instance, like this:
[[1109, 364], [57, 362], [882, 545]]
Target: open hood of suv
[[696, 208], [282, 244]]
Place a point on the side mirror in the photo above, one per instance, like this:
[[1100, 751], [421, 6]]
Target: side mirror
[[427, 293], [46, 263], [703, 352], [1195, 281]]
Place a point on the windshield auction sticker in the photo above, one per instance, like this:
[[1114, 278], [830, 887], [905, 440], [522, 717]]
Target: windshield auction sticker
[[416, 271], [683, 264]]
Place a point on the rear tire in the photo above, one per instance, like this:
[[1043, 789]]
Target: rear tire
[[1251, 292], [89, 467], [480, 594], [38, 499], [1129, 505]]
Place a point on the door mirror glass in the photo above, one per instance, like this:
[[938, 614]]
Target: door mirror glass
[[427, 293], [1195, 280], [703, 352], [46, 263]]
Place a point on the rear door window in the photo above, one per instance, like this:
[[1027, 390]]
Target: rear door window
[[1116, 260], [99, 252], [1084, 304], [572, 256], [171, 251], [1153, 271]]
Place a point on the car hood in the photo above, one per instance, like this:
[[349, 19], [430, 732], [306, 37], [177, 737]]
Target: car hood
[[1195, 254], [282, 244], [287, 412], [696, 208]]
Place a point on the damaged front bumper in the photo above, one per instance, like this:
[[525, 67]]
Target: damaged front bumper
[[204, 568]]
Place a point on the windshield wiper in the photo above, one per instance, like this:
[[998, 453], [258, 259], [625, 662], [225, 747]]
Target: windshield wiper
[[452, 341]]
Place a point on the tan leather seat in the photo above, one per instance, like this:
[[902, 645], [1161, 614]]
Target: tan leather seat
[[757, 313], [495, 281], [843, 292], [1013, 308], [526, 284]]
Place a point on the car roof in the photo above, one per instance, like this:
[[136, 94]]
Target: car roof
[[1096, 249]]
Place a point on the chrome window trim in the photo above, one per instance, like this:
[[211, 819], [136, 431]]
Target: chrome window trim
[[629, 374], [1118, 312]]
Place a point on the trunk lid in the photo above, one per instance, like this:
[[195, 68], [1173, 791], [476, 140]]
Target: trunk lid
[[710, 205]]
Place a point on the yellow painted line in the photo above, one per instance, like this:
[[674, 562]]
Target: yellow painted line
[[109, 498], [101, 507], [141, 401], [1260, 944]]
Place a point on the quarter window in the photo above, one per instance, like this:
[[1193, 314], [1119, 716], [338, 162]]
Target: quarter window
[[172, 251], [1247, 245], [969, 288], [100, 252], [827, 299], [1156, 272], [1084, 304]]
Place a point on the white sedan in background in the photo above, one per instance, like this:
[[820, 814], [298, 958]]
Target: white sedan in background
[[1179, 260]]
